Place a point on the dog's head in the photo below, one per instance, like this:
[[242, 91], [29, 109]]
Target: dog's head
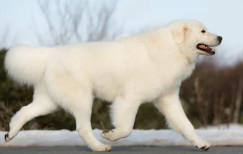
[[194, 36]]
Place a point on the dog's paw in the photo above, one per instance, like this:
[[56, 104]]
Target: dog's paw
[[7, 138], [107, 134], [105, 148], [203, 145]]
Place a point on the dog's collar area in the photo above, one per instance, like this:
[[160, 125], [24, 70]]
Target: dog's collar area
[[206, 49]]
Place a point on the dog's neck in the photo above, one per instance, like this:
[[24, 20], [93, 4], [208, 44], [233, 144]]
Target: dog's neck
[[189, 55], [157, 50]]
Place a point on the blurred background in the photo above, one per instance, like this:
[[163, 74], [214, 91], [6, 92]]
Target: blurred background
[[211, 96]]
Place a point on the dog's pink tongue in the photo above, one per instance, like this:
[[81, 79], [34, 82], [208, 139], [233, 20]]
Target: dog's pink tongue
[[202, 46]]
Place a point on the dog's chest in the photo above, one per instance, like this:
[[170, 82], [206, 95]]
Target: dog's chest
[[174, 75]]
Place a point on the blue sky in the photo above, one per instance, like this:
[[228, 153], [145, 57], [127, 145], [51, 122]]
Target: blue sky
[[222, 17]]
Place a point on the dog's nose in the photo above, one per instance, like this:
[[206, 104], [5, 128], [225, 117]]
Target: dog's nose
[[220, 39]]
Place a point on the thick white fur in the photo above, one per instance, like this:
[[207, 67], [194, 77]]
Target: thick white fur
[[127, 72]]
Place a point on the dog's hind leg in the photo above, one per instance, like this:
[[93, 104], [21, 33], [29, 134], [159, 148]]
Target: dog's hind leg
[[82, 113], [123, 114], [170, 106], [41, 105], [75, 96]]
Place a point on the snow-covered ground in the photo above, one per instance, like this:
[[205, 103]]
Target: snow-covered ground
[[217, 136]]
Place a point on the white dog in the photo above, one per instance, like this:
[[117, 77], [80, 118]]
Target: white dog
[[128, 72]]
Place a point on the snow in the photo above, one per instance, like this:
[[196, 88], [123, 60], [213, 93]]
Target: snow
[[217, 136]]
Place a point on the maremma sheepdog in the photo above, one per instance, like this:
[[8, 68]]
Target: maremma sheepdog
[[128, 72]]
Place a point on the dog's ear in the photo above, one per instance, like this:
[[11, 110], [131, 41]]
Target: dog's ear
[[179, 33]]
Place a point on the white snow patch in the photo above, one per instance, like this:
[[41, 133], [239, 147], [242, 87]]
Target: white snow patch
[[217, 136]]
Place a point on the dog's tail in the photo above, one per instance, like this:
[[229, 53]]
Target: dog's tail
[[26, 65]]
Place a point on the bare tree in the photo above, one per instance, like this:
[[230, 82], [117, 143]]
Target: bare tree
[[202, 106], [236, 114], [78, 20], [5, 116], [4, 37]]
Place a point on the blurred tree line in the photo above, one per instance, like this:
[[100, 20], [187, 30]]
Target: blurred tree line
[[211, 96]]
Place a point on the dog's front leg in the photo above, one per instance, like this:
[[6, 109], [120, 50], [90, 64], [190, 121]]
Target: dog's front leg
[[123, 114], [170, 106]]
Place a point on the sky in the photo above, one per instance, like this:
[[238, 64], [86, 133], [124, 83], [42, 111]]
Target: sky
[[222, 17]]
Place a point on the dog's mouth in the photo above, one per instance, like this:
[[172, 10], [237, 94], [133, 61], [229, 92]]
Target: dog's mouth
[[206, 49]]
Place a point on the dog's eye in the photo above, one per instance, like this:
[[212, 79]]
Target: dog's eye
[[203, 31]]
